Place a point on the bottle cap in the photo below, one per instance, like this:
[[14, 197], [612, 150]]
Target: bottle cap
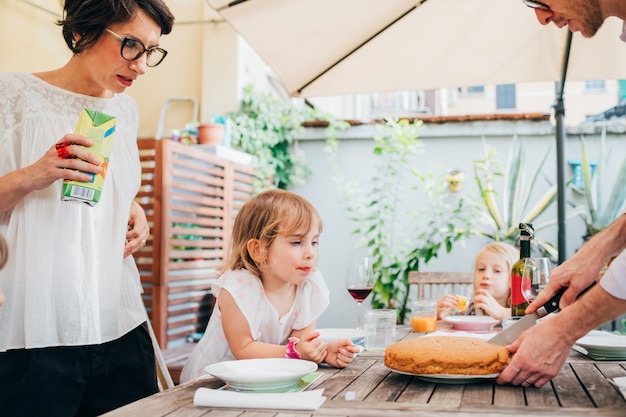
[[526, 229]]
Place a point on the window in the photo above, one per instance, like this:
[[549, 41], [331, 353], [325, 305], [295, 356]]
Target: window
[[505, 97], [595, 85], [476, 89], [399, 103]]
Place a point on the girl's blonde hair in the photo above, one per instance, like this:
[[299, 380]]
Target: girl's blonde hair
[[264, 217], [508, 252]]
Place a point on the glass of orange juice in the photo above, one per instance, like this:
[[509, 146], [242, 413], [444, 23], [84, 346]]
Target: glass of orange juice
[[424, 316]]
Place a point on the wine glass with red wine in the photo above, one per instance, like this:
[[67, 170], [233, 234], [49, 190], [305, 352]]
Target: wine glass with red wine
[[360, 282]]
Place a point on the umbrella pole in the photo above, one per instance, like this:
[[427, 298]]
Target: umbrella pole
[[559, 113]]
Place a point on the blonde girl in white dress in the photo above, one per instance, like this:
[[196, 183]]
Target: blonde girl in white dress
[[270, 294]]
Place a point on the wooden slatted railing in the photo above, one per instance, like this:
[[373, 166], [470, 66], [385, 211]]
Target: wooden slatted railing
[[190, 196]]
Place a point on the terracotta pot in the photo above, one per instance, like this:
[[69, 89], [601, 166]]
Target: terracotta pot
[[210, 133]]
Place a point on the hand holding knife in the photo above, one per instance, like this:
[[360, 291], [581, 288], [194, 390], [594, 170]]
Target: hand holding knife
[[510, 334]]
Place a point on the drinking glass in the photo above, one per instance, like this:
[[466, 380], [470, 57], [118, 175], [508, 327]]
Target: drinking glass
[[360, 282], [535, 277]]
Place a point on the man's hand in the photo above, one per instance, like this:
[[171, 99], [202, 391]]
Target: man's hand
[[582, 269], [538, 355]]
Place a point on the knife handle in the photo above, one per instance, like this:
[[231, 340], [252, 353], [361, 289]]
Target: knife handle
[[553, 303]]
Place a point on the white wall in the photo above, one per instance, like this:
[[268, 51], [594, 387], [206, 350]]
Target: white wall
[[454, 146]]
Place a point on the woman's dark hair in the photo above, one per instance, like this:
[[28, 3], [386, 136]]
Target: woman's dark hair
[[89, 18]]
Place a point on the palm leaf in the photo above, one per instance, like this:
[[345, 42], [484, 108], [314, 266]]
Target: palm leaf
[[599, 216], [517, 202], [545, 200], [586, 171], [511, 193], [617, 199], [487, 193]]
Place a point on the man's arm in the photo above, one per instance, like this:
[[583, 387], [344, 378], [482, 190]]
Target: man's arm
[[541, 351], [582, 269]]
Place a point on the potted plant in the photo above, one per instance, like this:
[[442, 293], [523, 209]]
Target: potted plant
[[268, 128], [212, 132]]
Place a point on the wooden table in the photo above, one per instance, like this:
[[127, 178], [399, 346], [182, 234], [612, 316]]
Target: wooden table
[[580, 389]]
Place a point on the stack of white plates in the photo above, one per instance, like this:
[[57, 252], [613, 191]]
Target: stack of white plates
[[602, 346], [266, 374]]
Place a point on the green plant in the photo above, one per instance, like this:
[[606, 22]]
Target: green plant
[[516, 207], [267, 128], [600, 212], [440, 221], [394, 246]]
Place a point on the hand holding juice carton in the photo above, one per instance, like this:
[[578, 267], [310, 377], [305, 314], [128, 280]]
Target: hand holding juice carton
[[100, 128]]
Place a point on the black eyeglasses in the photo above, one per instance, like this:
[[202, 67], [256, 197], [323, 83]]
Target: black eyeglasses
[[536, 4], [132, 49]]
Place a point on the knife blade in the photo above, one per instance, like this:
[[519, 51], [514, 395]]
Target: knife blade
[[511, 333]]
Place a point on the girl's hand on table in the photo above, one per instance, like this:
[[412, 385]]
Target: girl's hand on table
[[311, 347], [341, 352]]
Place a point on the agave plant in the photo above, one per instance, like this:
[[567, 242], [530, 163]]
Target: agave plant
[[516, 206], [600, 211]]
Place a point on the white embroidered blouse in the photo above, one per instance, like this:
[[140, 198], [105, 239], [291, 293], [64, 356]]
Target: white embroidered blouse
[[66, 281]]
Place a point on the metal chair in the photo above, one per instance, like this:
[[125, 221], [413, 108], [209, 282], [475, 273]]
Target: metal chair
[[434, 285]]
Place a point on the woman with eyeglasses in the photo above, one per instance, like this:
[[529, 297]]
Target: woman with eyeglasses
[[73, 335]]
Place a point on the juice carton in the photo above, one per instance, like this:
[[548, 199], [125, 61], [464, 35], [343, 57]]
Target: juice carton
[[100, 128]]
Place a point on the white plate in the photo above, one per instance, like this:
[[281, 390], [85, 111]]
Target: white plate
[[471, 323], [600, 356], [599, 333], [328, 335], [450, 379], [261, 374], [604, 344]]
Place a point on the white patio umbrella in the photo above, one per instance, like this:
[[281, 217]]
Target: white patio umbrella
[[335, 47]]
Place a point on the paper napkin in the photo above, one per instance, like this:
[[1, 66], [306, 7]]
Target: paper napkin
[[305, 400], [620, 383]]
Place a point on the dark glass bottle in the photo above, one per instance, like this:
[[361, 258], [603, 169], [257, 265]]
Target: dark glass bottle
[[518, 302]]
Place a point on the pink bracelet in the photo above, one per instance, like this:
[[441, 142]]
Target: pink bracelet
[[291, 352]]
